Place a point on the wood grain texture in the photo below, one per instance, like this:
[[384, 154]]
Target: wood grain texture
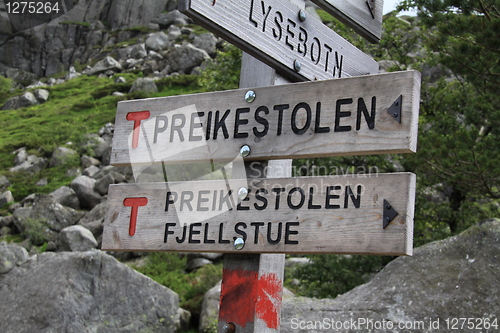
[[270, 30], [357, 15], [240, 122], [336, 215]]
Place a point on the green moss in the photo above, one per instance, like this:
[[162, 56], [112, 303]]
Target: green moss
[[83, 24], [140, 30]]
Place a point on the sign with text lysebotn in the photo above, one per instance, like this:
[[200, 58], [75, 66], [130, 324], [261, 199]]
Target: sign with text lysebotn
[[283, 36], [355, 214], [373, 114]]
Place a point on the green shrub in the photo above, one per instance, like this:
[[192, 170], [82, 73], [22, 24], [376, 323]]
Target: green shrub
[[223, 72], [168, 270], [35, 230], [5, 87], [331, 275]]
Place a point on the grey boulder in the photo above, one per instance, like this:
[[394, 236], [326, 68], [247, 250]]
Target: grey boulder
[[104, 65], [11, 256], [62, 155], [158, 41], [183, 58], [76, 238], [31, 164], [66, 197], [145, 84], [40, 216], [6, 197], [453, 278], [22, 101], [83, 292], [84, 189]]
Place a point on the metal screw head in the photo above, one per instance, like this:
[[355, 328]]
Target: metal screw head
[[229, 328], [250, 96], [245, 150], [297, 65], [388, 207], [302, 15], [239, 243], [242, 193]]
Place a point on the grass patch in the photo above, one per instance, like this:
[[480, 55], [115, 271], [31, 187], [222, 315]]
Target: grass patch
[[11, 239], [24, 183], [168, 270], [77, 107]]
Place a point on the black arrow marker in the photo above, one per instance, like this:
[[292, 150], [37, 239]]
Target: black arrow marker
[[371, 7], [389, 213], [395, 109]]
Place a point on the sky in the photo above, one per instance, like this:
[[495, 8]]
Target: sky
[[390, 5]]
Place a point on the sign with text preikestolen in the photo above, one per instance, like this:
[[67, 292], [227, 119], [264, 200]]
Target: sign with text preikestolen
[[355, 214], [283, 36], [373, 114]]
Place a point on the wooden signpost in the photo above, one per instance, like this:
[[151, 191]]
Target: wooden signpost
[[356, 214], [282, 35], [256, 220], [373, 114], [364, 16]]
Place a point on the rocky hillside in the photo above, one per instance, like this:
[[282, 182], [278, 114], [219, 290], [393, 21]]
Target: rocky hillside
[[115, 42], [147, 35]]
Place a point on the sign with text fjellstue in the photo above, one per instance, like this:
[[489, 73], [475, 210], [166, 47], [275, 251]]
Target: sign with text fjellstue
[[372, 114], [355, 214], [278, 33]]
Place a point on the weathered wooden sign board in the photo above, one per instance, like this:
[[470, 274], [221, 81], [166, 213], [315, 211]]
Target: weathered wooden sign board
[[281, 35], [364, 16], [356, 214], [373, 114]]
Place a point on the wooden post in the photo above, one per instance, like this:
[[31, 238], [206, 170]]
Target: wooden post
[[252, 284]]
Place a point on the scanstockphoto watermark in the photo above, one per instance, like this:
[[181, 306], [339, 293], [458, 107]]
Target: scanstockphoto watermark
[[355, 324], [368, 324]]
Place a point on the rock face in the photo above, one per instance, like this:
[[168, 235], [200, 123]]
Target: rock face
[[83, 292], [453, 278], [60, 44]]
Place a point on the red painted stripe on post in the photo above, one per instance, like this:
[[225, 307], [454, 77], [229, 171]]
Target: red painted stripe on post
[[269, 298], [245, 296], [238, 296]]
